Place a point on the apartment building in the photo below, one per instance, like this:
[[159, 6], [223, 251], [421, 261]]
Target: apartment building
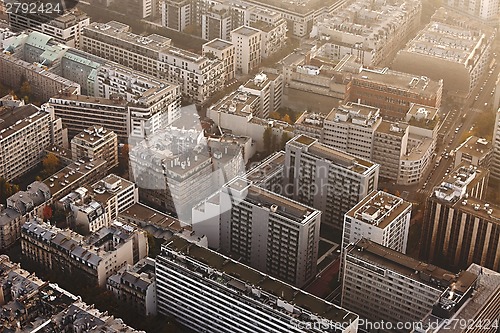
[[351, 127], [136, 286], [45, 307], [460, 227], [93, 258], [96, 142], [176, 14], [224, 51], [485, 10], [231, 297], [153, 102], [80, 112], [268, 174], [247, 42], [176, 169], [372, 32], [20, 207], [198, 77], [217, 22], [268, 232], [273, 29], [310, 124], [475, 151], [98, 205], [25, 132], [451, 47], [327, 179], [495, 160], [268, 88], [6, 35], [380, 217], [393, 92], [381, 284], [66, 28], [405, 149]]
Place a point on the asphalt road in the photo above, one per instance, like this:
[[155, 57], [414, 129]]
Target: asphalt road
[[463, 118]]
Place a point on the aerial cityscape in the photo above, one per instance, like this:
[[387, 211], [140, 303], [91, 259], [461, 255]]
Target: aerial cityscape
[[249, 166]]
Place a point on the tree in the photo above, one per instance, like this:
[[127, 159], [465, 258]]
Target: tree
[[25, 89], [284, 140], [268, 136], [50, 164], [286, 118], [123, 160], [47, 212]]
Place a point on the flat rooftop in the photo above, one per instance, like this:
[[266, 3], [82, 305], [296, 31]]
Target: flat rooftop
[[237, 276], [387, 258], [15, 119], [246, 31], [379, 209], [268, 167], [475, 146], [299, 8], [121, 33], [92, 100], [219, 44], [148, 215]]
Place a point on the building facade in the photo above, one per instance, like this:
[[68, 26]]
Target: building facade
[[495, 162], [327, 179], [247, 43], [96, 142], [66, 28], [382, 218], [224, 51], [266, 231], [25, 132], [94, 258], [460, 227], [381, 284], [231, 297]]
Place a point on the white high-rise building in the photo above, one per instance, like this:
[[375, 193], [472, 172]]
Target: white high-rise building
[[208, 292], [327, 179], [486, 10], [271, 233], [248, 43], [380, 217]]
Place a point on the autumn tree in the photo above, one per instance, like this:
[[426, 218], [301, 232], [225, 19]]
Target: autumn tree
[[50, 164], [47, 212], [268, 137], [286, 118]]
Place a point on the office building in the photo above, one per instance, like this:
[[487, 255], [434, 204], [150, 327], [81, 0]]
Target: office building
[[268, 232], [475, 151], [381, 284], [495, 160], [30, 304], [351, 127], [93, 258], [197, 76], [451, 47], [66, 28], [327, 179], [470, 310], [247, 43], [382, 218], [461, 228], [372, 32], [310, 124], [25, 132], [231, 297], [484, 10], [224, 51], [96, 142], [136, 286]]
